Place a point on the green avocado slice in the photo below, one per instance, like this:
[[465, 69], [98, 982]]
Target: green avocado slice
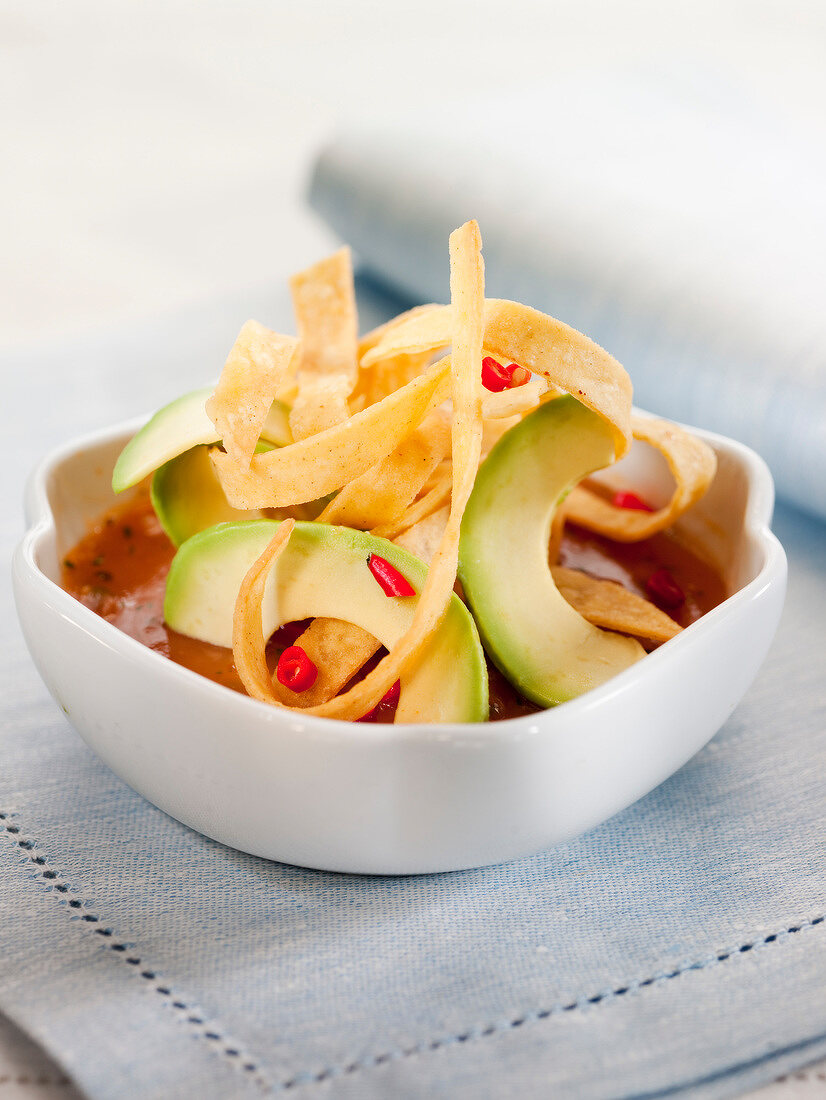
[[545, 648], [323, 572], [187, 495], [176, 428]]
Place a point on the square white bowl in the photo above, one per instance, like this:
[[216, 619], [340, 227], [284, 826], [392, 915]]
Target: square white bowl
[[386, 799]]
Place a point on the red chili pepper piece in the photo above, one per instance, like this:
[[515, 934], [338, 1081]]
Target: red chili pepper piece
[[664, 590], [295, 670], [496, 377], [386, 706], [624, 499], [390, 580]]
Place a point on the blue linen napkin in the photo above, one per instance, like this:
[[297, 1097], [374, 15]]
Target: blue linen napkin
[[671, 214], [680, 947]]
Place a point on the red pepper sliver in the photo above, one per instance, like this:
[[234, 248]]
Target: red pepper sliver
[[664, 590], [390, 580], [386, 706], [623, 499], [496, 377], [295, 670]]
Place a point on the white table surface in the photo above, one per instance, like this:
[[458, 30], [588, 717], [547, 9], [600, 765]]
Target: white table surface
[[155, 154]]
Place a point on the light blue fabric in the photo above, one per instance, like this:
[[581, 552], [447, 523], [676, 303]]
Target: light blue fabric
[[679, 947], [677, 220]]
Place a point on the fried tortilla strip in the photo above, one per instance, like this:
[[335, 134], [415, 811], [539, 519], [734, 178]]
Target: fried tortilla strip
[[514, 402], [692, 463], [608, 605], [433, 499], [338, 650], [384, 377], [423, 537], [324, 301], [467, 295], [248, 642], [383, 493], [518, 334], [314, 467], [258, 364], [374, 336]]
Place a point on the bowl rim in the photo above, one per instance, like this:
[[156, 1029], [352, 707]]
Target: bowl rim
[[30, 579]]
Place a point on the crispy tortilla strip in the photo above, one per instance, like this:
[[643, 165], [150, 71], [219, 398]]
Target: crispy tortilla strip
[[467, 293], [515, 402], [384, 377], [433, 499], [324, 301], [314, 467], [248, 641], [258, 364], [338, 650], [383, 493], [374, 336], [518, 334], [608, 605], [321, 402], [377, 381], [423, 538], [692, 463]]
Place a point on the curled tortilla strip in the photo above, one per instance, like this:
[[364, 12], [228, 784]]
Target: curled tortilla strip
[[338, 650], [516, 333], [611, 606], [515, 402], [322, 463], [384, 377], [467, 294], [325, 310], [369, 340], [384, 491], [256, 367], [433, 499], [423, 538], [692, 463], [381, 378], [248, 642]]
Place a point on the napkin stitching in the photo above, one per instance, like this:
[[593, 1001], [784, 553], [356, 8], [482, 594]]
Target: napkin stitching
[[66, 895], [502, 1026], [232, 1052]]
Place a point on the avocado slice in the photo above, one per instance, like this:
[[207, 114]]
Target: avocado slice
[[187, 495], [323, 572], [176, 428], [547, 650]]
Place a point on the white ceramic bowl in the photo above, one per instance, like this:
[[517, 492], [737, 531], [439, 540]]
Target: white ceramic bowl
[[385, 799]]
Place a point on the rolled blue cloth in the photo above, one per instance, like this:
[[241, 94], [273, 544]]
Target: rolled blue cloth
[[679, 948], [674, 218]]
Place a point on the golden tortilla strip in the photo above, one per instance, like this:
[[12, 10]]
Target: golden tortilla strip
[[424, 536], [691, 461], [467, 295], [338, 649], [322, 463], [611, 606], [516, 333], [514, 402], [432, 499], [248, 642], [382, 493], [324, 301], [257, 365]]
